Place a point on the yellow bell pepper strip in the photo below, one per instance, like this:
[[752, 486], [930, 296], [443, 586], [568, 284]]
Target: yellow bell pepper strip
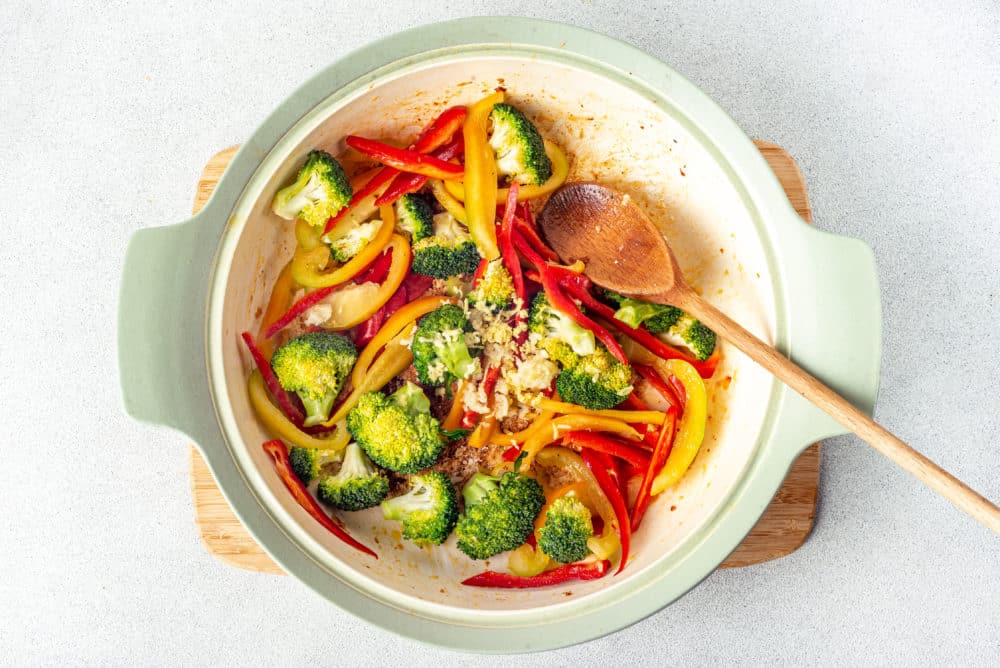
[[450, 204], [527, 561], [308, 265], [560, 169], [307, 236], [279, 425], [560, 425], [632, 417], [480, 178], [394, 359], [393, 326], [283, 465], [570, 463], [690, 431], [281, 299]]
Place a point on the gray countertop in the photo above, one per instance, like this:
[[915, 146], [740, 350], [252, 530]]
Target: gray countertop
[[108, 112]]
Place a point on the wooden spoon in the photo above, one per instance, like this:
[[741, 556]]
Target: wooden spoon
[[624, 251]]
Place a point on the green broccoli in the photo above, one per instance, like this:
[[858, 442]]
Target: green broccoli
[[428, 511], [440, 353], [693, 335], [357, 485], [397, 432], [557, 333], [308, 462], [567, 527], [314, 366], [519, 149], [495, 289], [320, 191], [349, 237], [656, 317], [597, 381], [414, 216], [499, 513], [448, 252]]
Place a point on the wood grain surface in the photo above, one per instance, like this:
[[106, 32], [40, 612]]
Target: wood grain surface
[[783, 528]]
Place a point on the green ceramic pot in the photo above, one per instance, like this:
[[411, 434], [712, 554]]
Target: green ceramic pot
[[625, 118]]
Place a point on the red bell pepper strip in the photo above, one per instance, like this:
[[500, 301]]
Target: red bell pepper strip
[[599, 464], [480, 271], [377, 270], [273, 386], [663, 446], [656, 380], [649, 435], [298, 308], [578, 571], [530, 235], [511, 453], [506, 241], [414, 285], [678, 388], [406, 160], [376, 182], [409, 183], [279, 453], [441, 130], [608, 445]]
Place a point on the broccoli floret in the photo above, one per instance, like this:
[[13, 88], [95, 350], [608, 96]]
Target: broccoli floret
[[448, 252], [495, 289], [395, 435], [348, 238], [308, 462], [320, 190], [440, 353], [519, 149], [597, 381], [499, 513], [314, 366], [357, 485], [656, 317], [566, 530], [557, 333], [414, 216], [693, 335], [428, 511]]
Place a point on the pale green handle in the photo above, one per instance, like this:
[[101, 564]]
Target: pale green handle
[[833, 292], [161, 326]]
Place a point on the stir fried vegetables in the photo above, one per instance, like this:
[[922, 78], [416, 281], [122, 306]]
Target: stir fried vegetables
[[422, 315]]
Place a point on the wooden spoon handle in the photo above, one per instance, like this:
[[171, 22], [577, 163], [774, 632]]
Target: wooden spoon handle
[[841, 410]]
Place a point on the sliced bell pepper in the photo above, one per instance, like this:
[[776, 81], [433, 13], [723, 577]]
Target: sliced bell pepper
[[279, 454], [543, 419], [600, 464], [530, 235], [441, 130], [660, 454], [578, 571], [308, 265], [560, 425], [404, 159], [611, 446], [527, 561], [506, 239], [363, 200], [639, 416], [453, 420], [281, 298], [281, 426], [275, 388], [659, 384], [690, 431], [450, 204], [480, 177], [560, 169], [409, 183]]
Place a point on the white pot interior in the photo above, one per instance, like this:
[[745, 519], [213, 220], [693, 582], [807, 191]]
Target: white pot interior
[[612, 134]]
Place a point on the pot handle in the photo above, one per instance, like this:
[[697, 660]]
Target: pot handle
[[161, 326], [837, 331]]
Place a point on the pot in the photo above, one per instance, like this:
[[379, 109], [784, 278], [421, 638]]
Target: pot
[[625, 119]]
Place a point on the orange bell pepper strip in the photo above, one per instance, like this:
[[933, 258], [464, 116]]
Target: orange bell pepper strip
[[281, 298], [560, 425], [480, 177]]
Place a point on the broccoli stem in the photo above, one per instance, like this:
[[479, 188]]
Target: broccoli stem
[[317, 410], [478, 487]]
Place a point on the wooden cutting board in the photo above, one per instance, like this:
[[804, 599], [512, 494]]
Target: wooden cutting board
[[783, 528]]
